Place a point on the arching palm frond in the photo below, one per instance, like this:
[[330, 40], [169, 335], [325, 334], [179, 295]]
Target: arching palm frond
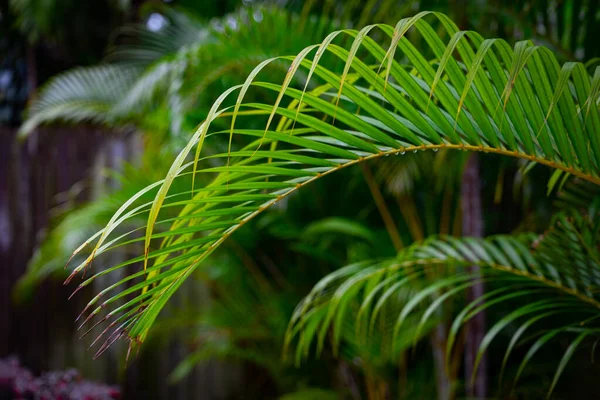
[[459, 92], [551, 280], [86, 94]]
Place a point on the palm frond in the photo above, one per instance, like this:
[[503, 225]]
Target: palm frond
[[577, 194], [459, 92], [553, 275], [86, 94]]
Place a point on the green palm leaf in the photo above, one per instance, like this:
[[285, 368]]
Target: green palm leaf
[[458, 92], [555, 274], [86, 94]]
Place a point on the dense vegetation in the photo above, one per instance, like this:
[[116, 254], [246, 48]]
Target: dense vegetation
[[361, 210]]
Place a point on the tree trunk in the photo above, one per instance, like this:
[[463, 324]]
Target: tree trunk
[[472, 223]]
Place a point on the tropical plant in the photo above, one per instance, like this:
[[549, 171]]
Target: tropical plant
[[457, 91], [555, 273], [187, 71]]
